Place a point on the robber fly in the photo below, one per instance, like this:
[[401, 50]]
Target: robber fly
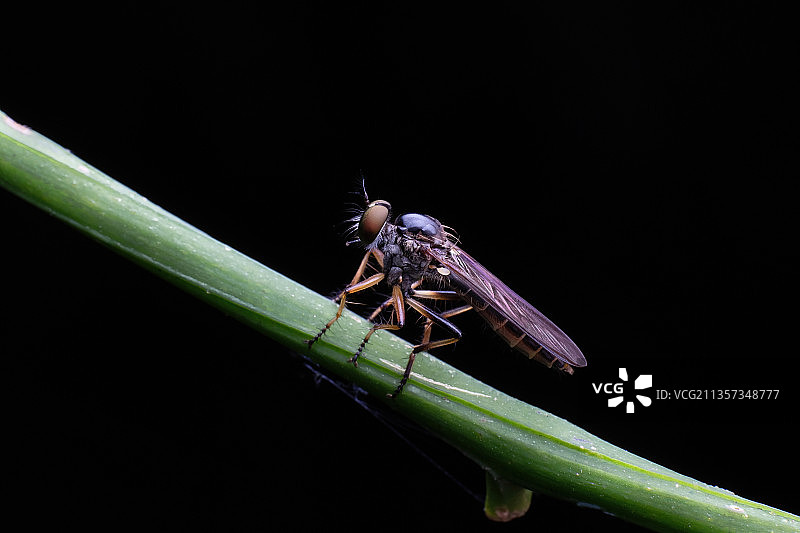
[[415, 249]]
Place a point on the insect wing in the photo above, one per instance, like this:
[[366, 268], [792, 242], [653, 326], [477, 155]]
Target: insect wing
[[467, 275]]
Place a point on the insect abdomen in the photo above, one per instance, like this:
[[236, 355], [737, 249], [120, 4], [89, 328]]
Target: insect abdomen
[[518, 339]]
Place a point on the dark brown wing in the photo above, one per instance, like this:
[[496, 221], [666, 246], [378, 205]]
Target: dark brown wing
[[478, 285]]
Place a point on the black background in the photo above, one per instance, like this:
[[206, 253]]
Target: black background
[[627, 170]]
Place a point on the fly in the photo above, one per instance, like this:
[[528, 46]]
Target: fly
[[415, 249]]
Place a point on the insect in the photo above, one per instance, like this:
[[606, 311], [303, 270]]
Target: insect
[[415, 249]]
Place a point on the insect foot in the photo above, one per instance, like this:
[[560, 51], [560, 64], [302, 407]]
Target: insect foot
[[397, 391], [310, 342], [358, 353]]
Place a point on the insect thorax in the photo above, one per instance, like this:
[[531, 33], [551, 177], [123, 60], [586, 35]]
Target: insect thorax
[[404, 260]]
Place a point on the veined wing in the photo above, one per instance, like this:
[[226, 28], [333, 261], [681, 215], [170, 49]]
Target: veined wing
[[475, 282]]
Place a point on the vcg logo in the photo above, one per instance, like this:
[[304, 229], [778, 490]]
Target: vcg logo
[[645, 381]]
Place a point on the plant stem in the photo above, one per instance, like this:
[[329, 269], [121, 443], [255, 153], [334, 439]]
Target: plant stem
[[514, 441]]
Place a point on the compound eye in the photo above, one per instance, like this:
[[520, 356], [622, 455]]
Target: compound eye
[[372, 221]]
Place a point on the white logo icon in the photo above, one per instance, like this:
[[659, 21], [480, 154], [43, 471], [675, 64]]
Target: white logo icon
[[645, 381]]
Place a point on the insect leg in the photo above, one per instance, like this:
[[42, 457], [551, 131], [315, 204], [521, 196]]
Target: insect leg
[[378, 310], [378, 256], [437, 295], [350, 289], [361, 268], [444, 295], [440, 295], [426, 344], [397, 301]]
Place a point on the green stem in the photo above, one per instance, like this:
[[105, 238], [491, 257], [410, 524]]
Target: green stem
[[505, 500], [515, 441]]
